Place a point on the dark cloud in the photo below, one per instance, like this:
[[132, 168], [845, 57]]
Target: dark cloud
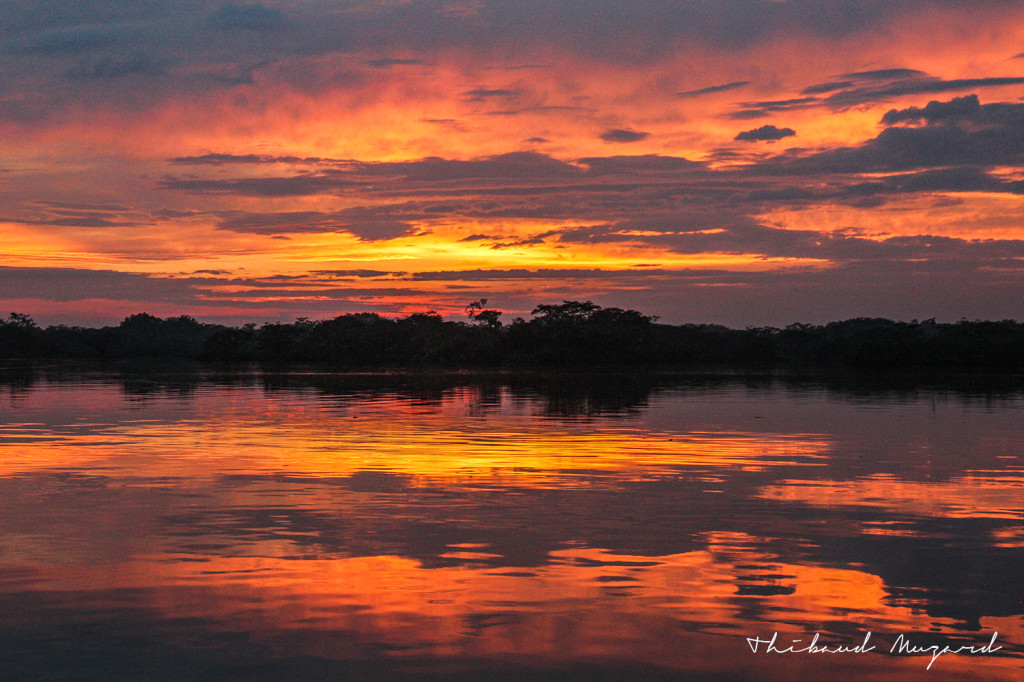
[[225, 46], [512, 166], [876, 192], [520, 67], [541, 273], [740, 234], [388, 62], [449, 122], [506, 168], [481, 94], [749, 110], [822, 88], [313, 277], [678, 230], [539, 109], [71, 284], [823, 188], [81, 220], [279, 223], [964, 179], [912, 86], [247, 17], [251, 159], [202, 289], [622, 135], [712, 89], [766, 133], [516, 243], [66, 41], [170, 213], [367, 227], [957, 109], [865, 87], [83, 205], [958, 133], [137, 64], [299, 185], [356, 273], [328, 294], [645, 163], [70, 214], [641, 31], [771, 195], [884, 74]]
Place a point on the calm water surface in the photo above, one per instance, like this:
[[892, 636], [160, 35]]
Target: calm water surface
[[313, 526]]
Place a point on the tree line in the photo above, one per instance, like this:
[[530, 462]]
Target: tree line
[[572, 333]]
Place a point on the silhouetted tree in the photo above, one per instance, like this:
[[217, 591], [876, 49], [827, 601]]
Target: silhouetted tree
[[20, 337], [476, 312], [569, 333]]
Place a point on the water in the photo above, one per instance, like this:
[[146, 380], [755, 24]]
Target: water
[[285, 526]]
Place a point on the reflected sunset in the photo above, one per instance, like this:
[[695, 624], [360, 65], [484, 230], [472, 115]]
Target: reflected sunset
[[457, 441], [438, 525]]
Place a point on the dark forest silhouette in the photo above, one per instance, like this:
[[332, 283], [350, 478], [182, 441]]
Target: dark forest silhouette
[[572, 333]]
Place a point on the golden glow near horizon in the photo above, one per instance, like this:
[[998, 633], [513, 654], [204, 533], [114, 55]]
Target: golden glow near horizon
[[231, 147], [393, 437]]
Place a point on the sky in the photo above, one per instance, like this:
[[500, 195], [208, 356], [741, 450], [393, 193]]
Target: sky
[[742, 162]]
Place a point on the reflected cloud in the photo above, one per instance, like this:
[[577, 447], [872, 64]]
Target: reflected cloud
[[972, 496]]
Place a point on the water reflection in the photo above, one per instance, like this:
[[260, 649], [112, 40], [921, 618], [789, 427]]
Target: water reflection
[[268, 526]]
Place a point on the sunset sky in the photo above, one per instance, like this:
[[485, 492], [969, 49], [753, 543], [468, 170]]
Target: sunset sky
[[743, 162]]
